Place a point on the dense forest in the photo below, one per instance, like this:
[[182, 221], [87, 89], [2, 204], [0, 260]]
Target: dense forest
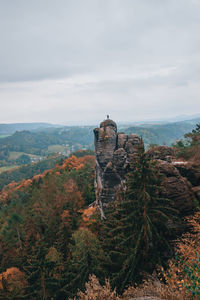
[[53, 241]]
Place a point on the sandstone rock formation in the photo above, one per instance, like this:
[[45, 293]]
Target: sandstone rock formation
[[176, 188], [161, 152], [113, 152], [189, 170]]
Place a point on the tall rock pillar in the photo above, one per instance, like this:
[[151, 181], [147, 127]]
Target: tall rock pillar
[[113, 151]]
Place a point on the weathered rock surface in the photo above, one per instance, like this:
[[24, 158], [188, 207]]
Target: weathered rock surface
[[196, 190], [189, 170], [113, 152], [177, 188], [161, 152]]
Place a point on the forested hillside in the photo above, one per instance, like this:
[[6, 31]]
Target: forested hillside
[[26, 147], [8, 129], [38, 142], [38, 218], [68, 139], [28, 171], [163, 133], [51, 240]]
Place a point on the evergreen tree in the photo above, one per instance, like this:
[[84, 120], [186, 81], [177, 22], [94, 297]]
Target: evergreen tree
[[43, 268], [197, 129], [138, 226], [87, 258], [11, 231]]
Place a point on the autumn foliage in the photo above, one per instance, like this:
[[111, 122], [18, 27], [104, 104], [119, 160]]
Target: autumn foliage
[[181, 281], [12, 281], [53, 242], [38, 217]]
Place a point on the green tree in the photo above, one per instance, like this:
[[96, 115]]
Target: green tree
[[23, 159], [138, 226], [194, 136], [189, 147], [11, 231], [43, 268], [197, 129], [87, 258]]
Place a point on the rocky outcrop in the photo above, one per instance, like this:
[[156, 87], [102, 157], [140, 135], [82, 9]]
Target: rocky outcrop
[[189, 170], [196, 191], [161, 152], [113, 152], [176, 188]]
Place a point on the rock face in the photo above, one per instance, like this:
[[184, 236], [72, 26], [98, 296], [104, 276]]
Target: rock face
[[161, 152], [191, 171], [176, 188], [113, 152]]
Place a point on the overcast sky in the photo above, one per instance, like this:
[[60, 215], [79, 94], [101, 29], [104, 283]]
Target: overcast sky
[[65, 61]]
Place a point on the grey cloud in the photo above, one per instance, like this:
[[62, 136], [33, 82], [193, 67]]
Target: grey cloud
[[67, 59], [48, 39]]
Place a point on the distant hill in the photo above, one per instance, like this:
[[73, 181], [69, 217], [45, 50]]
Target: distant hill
[[6, 129], [162, 133], [48, 140], [54, 139]]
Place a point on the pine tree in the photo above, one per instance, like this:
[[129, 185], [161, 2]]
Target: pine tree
[[87, 258], [194, 136], [11, 231], [197, 129], [138, 225], [43, 268]]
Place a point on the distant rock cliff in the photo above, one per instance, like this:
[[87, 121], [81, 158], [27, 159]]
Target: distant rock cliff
[[113, 153]]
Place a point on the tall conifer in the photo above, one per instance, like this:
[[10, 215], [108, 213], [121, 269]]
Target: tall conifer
[[138, 225]]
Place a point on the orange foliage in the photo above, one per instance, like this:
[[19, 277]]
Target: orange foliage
[[88, 213], [76, 163], [95, 291], [73, 194], [189, 245], [188, 249], [57, 173], [12, 184], [13, 279], [23, 184], [87, 216], [3, 196], [72, 163]]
